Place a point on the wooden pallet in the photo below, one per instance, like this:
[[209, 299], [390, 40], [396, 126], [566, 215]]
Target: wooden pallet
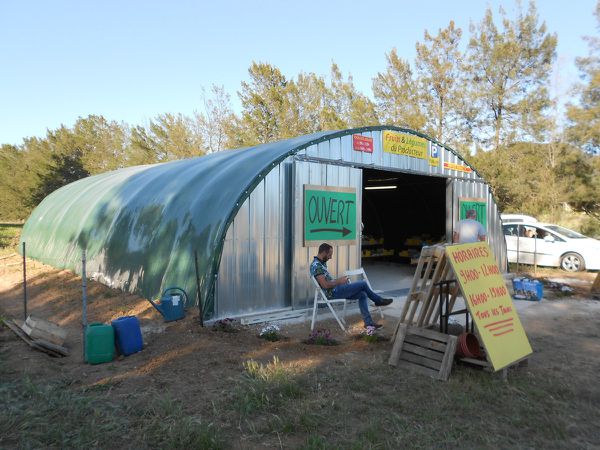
[[421, 307], [425, 351], [37, 344]]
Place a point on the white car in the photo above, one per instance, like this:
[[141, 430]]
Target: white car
[[546, 244], [517, 218]]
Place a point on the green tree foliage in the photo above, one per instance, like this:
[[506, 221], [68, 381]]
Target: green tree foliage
[[581, 173], [439, 70], [14, 184], [352, 108], [63, 168], [584, 117], [508, 72], [212, 123], [519, 175], [263, 106], [166, 138], [274, 107], [101, 143], [396, 95]]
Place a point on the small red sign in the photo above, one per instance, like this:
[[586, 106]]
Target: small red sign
[[362, 143]]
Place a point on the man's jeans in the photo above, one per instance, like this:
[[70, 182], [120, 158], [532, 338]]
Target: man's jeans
[[358, 290]]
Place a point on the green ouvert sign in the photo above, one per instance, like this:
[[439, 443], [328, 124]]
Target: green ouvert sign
[[479, 205], [329, 215]]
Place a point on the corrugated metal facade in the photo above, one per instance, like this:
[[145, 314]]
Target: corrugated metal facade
[[264, 264], [251, 276]]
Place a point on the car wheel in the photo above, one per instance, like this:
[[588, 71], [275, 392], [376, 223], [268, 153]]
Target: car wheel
[[572, 262]]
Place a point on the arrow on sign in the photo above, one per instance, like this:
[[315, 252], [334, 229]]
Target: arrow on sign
[[345, 231]]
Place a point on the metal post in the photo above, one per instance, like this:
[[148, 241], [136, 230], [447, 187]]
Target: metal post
[[535, 253], [24, 284], [198, 298], [518, 242], [84, 294]]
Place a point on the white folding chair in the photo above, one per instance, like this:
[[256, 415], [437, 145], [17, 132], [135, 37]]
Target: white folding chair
[[321, 299], [361, 273]]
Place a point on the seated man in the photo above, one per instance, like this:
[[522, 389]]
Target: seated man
[[342, 288]]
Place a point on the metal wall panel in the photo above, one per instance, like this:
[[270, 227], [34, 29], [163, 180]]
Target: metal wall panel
[[250, 276], [345, 256]]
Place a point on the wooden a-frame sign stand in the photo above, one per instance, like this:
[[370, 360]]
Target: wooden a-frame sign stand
[[415, 344]]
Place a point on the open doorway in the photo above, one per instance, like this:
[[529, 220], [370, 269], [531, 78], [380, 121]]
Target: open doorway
[[400, 214]]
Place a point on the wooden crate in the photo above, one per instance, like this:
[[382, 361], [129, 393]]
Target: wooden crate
[[425, 351]]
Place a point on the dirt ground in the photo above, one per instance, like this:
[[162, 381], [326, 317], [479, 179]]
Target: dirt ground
[[194, 364]]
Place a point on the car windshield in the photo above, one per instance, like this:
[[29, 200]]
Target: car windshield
[[566, 232]]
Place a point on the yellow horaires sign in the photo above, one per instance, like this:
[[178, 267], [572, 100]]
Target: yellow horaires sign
[[490, 305], [404, 144]]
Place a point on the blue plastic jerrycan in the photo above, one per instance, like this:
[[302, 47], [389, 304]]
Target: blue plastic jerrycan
[[172, 304]]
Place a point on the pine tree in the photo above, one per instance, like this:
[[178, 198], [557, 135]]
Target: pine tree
[[440, 78], [584, 117], [396, 95], [508, 72]]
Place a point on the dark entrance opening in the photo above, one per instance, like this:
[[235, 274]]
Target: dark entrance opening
[[400, 214]]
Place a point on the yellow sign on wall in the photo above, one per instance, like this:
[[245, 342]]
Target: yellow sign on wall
[[458, 167], [489, 303], [405, 144]]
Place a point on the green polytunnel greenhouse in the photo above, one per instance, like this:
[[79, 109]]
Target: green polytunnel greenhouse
[[255, 217]]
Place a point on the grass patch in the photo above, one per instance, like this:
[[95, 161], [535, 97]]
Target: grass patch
[[380, 407], [56, 416], [266, 386], [9, 237], [346, 403]]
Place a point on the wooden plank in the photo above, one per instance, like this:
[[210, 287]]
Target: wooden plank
[[418, 270], [428, 269], [37, 328], [413, 310], [397, 348], [420, 360], [15, 327], [17, 330], [62, 351], [435, 335], [418, 350], [434, 305], [426, 343], [438, 261], [415, 368], [477, 362], [448, 358]]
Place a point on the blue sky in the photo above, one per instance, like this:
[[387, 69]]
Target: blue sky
[[133, 60]]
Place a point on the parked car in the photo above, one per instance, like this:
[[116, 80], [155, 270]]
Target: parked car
[[517, 218], [547, 244]]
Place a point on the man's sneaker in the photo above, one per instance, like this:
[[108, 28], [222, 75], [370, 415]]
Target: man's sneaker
[[385, 301], [375, 325]]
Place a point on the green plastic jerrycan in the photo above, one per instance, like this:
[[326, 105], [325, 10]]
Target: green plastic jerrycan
[[99, 343]]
